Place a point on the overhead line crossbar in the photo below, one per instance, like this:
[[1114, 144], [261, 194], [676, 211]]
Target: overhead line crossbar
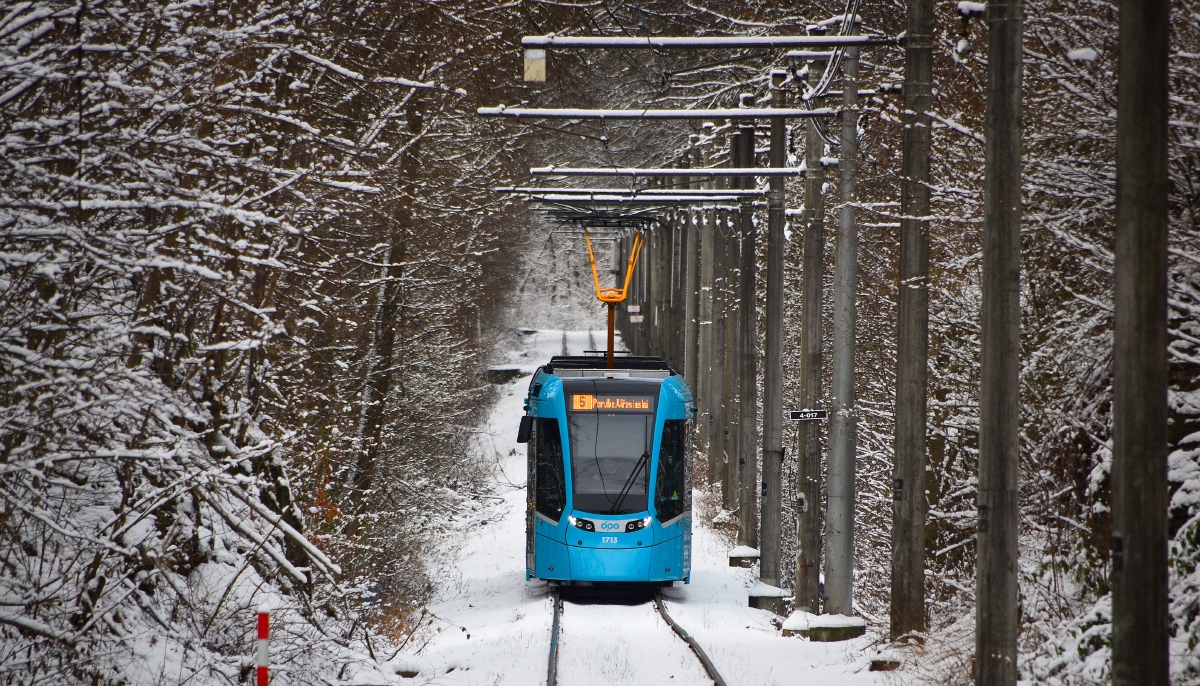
[[720, 113], [627, 192], [701, 42], [601, 219], [622, 199], [666, 171]]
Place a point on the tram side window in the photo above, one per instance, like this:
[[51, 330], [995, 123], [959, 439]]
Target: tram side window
[[669, 489], [551, 483]]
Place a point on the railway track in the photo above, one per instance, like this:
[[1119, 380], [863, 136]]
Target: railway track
[[624, 619]]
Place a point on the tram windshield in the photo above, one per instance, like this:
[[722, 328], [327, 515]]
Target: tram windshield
[[611, 439], [610, 461]]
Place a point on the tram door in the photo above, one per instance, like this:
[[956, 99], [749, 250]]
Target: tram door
[[530, 491], [546, 486]]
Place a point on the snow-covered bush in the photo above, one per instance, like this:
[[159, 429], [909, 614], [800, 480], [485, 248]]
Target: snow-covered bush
[[250, 269]]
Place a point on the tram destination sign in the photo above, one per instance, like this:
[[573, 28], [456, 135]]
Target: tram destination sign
[[809, 415], [586, 402]]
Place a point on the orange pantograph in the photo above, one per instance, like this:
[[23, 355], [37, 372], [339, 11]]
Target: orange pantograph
[[613, 296]]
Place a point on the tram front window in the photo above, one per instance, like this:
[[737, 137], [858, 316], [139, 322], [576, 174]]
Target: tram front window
[[610, 461]]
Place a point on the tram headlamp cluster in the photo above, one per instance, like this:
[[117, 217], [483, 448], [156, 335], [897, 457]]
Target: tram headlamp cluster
[[637, 524], [580, 523]]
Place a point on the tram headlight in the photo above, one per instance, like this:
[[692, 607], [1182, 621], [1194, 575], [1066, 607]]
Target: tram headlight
[[580, 523], [637, 524]]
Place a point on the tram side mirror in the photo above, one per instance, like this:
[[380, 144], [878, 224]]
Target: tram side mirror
[[526, 428]]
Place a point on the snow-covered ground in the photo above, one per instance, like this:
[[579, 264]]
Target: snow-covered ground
[[494, 627]]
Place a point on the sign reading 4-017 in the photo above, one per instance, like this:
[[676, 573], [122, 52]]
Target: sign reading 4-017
[[809, 415]]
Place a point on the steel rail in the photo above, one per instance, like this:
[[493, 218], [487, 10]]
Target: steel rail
[[687, 638], [703, 42], [552, 663]]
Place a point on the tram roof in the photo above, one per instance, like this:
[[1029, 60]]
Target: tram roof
[[598, 362]]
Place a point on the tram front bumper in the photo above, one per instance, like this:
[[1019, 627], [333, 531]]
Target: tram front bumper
[[609, 564], [654, 554], [661, 562]]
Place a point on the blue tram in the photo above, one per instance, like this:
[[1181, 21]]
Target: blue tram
[[610, 480]]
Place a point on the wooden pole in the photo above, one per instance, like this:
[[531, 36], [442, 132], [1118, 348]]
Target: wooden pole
[[996, 616], [808, 465], [912, 332], [1139, 470]]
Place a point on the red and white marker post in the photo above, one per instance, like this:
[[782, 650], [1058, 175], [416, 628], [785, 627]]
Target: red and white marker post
[[264, 645]]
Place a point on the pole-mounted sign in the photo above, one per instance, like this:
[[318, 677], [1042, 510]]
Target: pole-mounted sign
[[535, 64], [809, 415]]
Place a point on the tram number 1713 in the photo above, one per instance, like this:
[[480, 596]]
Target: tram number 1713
[[608, 539]]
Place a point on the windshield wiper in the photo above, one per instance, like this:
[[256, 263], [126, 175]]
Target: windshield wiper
[[629, 483]]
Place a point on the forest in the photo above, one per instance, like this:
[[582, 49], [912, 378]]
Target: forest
[[254, 268]]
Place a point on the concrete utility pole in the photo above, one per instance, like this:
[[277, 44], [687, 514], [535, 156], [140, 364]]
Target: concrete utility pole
[[996, 620], [632, 332], [658, 290], [1139, 470], [686, 314], [663, 311], [808, 464], [748, 372], [716, 388], [843, 438], [643, 278], [704, 378], [667, 333], [683, 324], [675, 327], [650, 304], [687, 289], [691, 292], [720, 317], [733, 339], [772, 468], [679, 323], [912, 331]]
